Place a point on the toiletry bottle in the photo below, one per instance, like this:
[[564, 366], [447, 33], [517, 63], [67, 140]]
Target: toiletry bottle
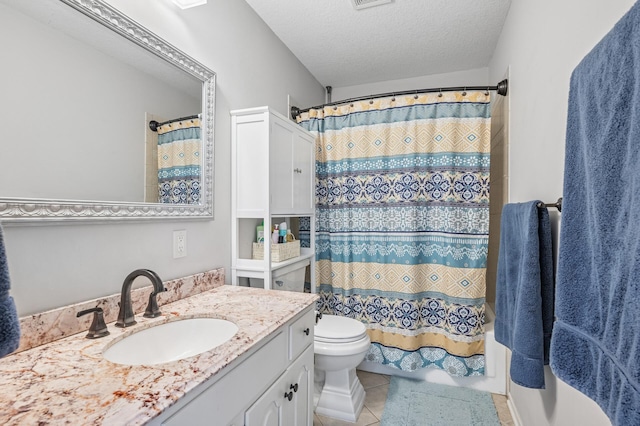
[[260, 233], [275, 235], [282, 238]]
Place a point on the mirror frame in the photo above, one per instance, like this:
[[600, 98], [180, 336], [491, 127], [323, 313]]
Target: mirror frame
[[20, 210]]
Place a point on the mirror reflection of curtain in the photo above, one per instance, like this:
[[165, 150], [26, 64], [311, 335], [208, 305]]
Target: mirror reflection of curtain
[[179, 148], [402, 190]]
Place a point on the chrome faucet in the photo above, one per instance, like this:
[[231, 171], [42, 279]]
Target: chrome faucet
[[126, 317]]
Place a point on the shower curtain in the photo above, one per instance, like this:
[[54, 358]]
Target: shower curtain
[[179, 148], [402, 191]]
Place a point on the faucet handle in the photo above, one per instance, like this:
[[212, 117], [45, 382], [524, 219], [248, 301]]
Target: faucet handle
[[98, 328], [152, 310]]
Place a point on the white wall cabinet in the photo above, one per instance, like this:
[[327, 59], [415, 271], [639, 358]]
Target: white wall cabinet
[[291, 169], [272, 180], [255, 389]]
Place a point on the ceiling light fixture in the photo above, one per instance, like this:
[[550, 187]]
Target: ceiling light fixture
[[186, 4]]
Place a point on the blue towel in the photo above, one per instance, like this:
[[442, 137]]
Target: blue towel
[[595, 346], [524, 291], [9, 325]]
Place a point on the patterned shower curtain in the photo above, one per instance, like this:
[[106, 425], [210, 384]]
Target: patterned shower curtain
[[179, 148], [402, 190]]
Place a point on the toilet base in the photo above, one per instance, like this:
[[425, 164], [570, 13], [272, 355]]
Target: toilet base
[[342, 395]]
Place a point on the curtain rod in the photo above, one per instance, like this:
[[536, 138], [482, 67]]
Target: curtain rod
[[501, 88], [153, 124]]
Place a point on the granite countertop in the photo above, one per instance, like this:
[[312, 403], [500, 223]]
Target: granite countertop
[[67, 381]]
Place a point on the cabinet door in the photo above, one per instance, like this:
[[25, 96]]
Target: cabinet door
[[299, 410], [281, 166], [304, 173], [289, 401], [267, 410]]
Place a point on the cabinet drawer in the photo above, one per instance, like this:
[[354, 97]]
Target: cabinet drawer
[[301, 334], [223, 401]]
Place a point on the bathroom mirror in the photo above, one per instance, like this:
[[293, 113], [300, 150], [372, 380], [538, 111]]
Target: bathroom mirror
[[80, 83]]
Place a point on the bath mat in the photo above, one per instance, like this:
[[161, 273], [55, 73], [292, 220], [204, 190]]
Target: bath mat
[[419, 403]]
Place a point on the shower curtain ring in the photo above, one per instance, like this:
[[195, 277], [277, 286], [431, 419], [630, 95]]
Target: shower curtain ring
[[464, 92], [486, 93], [440, 94]]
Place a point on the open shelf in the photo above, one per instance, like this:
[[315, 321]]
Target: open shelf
[[272, 181]]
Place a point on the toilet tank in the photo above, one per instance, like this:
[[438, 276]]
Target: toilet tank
[[289, 278]]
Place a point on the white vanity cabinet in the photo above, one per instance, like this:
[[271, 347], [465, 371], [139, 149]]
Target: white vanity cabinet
[[272, 180], [254, 390]]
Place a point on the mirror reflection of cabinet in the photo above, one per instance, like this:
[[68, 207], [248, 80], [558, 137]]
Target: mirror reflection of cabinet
[[272, 180]]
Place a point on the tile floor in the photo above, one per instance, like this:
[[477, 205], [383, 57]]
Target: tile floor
[[376, 386]]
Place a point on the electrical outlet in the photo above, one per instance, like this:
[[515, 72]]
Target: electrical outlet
[[179, 243]]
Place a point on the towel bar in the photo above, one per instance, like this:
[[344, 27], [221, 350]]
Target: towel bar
[[557, 204]]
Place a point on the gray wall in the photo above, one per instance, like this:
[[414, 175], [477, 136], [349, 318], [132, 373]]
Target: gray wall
[[55, 265], [474, 77], [65, 96]]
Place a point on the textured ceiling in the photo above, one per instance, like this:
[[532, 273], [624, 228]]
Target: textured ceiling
[[342, 46]]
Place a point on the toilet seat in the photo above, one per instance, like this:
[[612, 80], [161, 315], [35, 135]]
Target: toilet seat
[[336, 329], [340, 336]]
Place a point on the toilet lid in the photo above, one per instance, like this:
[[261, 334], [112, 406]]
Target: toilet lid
[[333, 327]]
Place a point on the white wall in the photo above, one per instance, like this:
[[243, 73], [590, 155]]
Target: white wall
[[475, 77], [55, 265], [542, 42]]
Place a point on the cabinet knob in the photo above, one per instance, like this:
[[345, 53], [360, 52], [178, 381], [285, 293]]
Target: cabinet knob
[[288, 395], [280, 283], [306, 331], [294, 387], [297, 170]]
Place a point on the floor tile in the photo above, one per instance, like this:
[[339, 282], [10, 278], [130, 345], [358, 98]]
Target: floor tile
[[366, 419], [371, 379], [377, 387], [375, 399], [504, 414]]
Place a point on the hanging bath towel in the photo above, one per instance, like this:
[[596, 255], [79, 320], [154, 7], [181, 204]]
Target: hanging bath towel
[[9, 325], [596, 338], [524, 291]]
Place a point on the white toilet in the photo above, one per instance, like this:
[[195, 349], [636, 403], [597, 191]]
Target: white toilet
[[340, 345]]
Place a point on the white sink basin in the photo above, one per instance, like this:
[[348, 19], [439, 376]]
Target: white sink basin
[[171, 341]]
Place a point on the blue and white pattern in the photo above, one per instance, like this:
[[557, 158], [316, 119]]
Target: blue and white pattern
[[179, 148], [402, 191]]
